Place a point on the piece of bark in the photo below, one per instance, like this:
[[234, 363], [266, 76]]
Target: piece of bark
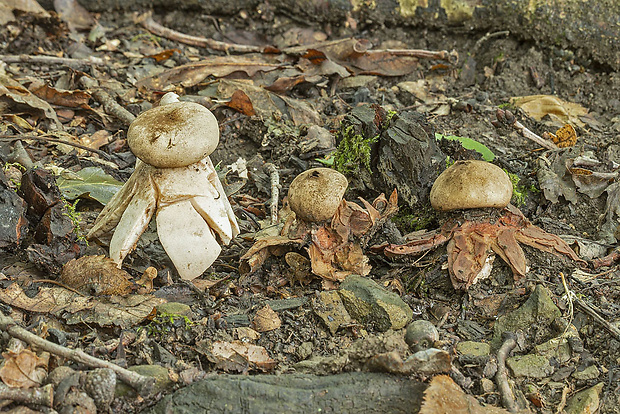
[[354, 392]]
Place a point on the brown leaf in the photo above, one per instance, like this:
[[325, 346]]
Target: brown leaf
[[96, 275], [266, 319], [62, 303], [267, 104], [253, 355], [23, 369], [71, 99], [445, 396], [19, 95], [285, 84], [218, 66], [561, 112], [241, 102]]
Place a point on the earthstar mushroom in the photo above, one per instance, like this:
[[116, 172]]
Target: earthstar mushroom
[[174, 180], [474, 238]]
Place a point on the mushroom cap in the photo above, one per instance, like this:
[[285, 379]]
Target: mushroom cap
[[315, 194], [471, 184], [174, 135]]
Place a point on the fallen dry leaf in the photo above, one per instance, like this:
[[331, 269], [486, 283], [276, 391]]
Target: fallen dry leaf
[[241, 102], [266, 103], [119, 311], [218, 66], [70, 99], [266, 319], [96, 275], [561, 112], [23, 369], [13, 91], [240, 356], [445, 396]]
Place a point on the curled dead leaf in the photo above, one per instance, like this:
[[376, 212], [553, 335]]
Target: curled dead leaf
[[266, 319], [96, 275]]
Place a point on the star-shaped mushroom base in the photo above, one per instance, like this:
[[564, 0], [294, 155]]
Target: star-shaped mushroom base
[[191, 210], [471, 242]]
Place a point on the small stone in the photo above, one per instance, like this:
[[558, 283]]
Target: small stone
[[162, 379], [487, 386], [304, 350], [531, 366], [174, 308], [329, 307], [589, 373], [369, 303], [557, 348], [538, 309], [77, 402], [100, 384], [421, 335], [473, 349], [586, 401], [58, 375]]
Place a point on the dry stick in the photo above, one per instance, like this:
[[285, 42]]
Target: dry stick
[[36, 396], [152, 26], [109, 104], [507, 117], [501, 377], [487, 37], [140, 383], [54, 140], [275, 191], [598, 318], [53, 60]]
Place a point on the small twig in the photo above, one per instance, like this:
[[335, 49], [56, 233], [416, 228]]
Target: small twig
[[452, 57], [53, 60], [54, 140], [501, 377], [109, 104], [275, 191], [562, 403], [487, 37], [507, 118], [140, 383], [598, 318], [569, 297], [152, 26], [36, 396]]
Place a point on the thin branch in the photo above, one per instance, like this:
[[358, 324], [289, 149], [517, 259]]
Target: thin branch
[[109, 104], [598, 318], [507, 118], [152, 26], [140, 383], [275, 191], [501, 377], [54, 60], [33, 396], [487, 37], [54, 140]]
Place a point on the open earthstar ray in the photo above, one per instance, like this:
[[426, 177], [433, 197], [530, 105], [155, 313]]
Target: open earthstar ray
[[176, 182]]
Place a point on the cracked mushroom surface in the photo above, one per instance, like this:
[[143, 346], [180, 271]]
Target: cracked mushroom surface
[[484, 224], [175, 181]]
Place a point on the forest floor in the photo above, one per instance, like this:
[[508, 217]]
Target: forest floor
[[283, 95]]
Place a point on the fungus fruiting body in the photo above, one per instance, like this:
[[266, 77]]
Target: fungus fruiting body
[[175, 181], [474, 237], [331, 229]]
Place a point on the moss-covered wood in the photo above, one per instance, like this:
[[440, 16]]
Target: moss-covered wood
[[351, 393]]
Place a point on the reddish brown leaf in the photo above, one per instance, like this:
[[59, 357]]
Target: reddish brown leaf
[[165, 55], [71, 99], [241, 102]]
